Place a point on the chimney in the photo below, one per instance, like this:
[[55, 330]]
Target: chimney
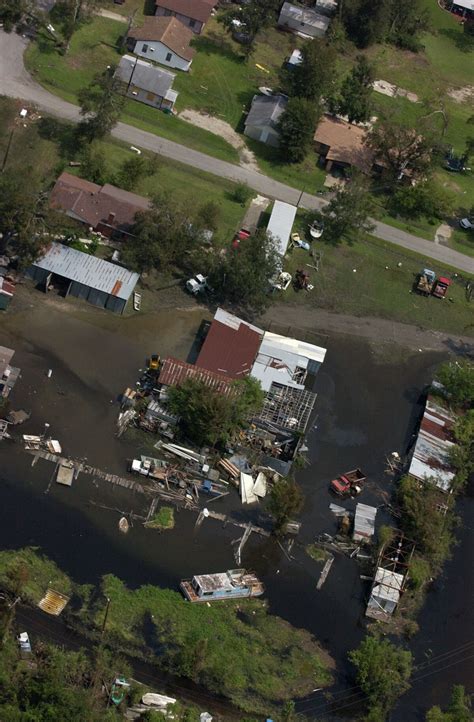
[[111, 219]]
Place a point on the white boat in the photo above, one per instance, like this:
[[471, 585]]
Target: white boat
[[316, 229], [137, 301], [264, 90]]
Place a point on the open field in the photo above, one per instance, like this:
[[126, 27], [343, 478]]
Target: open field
[[374, 290]]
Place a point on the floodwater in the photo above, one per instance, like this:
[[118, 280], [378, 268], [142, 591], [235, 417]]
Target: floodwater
[[369, 402]]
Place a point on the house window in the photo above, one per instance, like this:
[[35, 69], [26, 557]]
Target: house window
[[168, 57], [192, 23], [144, 48]]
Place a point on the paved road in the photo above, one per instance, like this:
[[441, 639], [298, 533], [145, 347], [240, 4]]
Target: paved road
[[17, 83]]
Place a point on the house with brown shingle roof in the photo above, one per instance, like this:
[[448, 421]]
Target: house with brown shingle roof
[[342, 144], [106, 209], [194, 14], [164, 40]]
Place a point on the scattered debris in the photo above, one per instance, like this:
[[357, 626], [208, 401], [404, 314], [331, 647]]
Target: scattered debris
[[325, 572], [65, 474], [123, 525], [53, 602]]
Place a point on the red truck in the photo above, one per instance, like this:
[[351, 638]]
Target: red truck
[[348, 484]]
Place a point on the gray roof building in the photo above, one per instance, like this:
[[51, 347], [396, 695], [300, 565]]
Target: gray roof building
[[302, 20], [262, 120], [147, 82], [101, 283]]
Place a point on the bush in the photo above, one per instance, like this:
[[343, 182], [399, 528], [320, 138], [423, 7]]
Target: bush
[[241, 194]]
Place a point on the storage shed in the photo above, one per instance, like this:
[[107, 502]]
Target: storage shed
[[97, 281], [302, 20]]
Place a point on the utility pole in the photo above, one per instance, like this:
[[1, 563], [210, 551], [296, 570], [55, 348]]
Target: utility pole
[[106, 614]]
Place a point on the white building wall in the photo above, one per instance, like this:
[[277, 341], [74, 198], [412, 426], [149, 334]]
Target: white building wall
[[152, 50]]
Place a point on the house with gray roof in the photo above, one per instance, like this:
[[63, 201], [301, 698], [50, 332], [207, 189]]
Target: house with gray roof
[[147, 83], [304, 21], [262, 120]]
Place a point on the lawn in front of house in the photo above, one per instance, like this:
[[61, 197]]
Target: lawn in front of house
[[374, 290], [93, 47]]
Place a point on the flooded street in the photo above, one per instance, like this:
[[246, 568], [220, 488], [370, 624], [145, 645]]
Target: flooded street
[[369, 401]]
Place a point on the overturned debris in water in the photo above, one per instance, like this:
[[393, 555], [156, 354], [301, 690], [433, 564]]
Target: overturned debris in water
[[53, 602]]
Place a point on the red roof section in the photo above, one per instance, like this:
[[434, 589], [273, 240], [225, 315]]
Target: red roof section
[[228, 350], [174, 372], [195, 9]]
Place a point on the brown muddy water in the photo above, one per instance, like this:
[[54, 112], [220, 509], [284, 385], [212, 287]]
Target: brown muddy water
[[369, 402]]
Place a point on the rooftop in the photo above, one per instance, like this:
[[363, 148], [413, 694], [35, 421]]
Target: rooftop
[[169, 31], [287, 407], [303, 16], [88, 270], [286, 361], [347, 142], [280, 224], [173, 372], [431, 456], [94, 204], [266, 110], [6, 355], [195, 9], [364, 521], [230, 347], [387, 584], [146, 76]]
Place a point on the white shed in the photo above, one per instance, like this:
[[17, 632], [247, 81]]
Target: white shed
[[302, 20], [280, 224]]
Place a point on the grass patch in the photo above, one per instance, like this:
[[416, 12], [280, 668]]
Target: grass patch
[[317, 553], [29, 574], [164, 519], [375, 291]]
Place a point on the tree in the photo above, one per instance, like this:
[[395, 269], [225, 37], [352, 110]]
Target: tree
[[407, 19], [366, 21], [101, 104], [457, 378], [382, 671], [459, 708], [242, 276], [211, 417], [161, 236], [356, 92], [254, 16], [94, 164], [131, 170], [314, 77], [12, 12], [69, 15], [296, 128], [347, 214], [286, 500], [424, 199], [400, 148], [208, 216]]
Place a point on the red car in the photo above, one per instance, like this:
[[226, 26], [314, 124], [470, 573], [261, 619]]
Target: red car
[[348, 484]]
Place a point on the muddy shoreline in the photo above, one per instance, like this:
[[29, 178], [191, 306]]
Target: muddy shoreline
[[369, 401]]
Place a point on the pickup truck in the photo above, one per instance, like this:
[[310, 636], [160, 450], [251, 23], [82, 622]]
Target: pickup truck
[[348, 484]]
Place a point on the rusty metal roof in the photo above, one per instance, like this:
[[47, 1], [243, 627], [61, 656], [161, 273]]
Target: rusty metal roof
[[174, 372], [231, 346]]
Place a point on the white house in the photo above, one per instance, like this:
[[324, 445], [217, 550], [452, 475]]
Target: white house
[[303, 21], [164, 40]]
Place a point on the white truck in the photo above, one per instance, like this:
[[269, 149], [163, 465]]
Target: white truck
[[197, 284]]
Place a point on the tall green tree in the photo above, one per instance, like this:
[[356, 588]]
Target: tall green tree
[[383, 671], [401, 148], [347, 215], [243, 275], [70, 15], [458, 379], [459, 708], [366, 21], [356, 92], [296, 129], [315, 76], [210, 417], [101, 104], [286, 501], [254, 16]]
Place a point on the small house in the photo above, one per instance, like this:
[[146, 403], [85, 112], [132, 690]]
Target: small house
[[302, 20], [261, 122], [326, 7], [390, 577], [364, 523], [193, 14], [165, 40], [147, 83], [465, 8], [280, 224], [105, 209], [342, 145], [7, 291]]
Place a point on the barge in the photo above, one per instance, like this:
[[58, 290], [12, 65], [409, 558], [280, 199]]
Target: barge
[[233, 584]]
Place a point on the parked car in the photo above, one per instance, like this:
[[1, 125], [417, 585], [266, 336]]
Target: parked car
[[197, 284], [466, 224]]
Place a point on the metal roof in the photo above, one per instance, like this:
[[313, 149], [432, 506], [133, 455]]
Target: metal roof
[[214, 582], [364, 522], [145, 75], [387, 585], [230, 347], [431, 456], [280, 224], [303, 16], [88, 270], [284, 360]]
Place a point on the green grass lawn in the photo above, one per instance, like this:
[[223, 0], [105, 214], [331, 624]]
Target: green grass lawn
[[93, 47], [375, 291]]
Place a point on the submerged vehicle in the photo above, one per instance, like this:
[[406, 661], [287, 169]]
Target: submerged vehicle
[[348, 484], [233, 584]]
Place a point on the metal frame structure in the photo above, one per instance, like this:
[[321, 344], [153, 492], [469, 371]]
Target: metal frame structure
[[394, 557], [287, 407]]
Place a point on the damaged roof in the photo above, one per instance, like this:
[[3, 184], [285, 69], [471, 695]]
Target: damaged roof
[[431, 456], [230, 347], [173, 372]]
